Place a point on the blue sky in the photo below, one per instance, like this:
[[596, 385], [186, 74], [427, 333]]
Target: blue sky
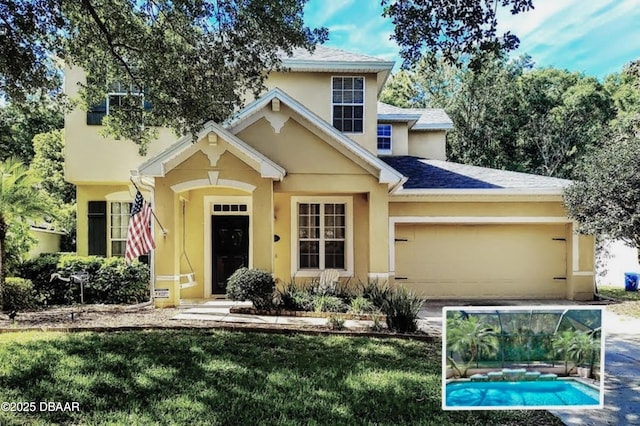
[[596, 37]]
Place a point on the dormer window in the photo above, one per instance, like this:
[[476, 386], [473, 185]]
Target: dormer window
[[347, 98], [384, 138]]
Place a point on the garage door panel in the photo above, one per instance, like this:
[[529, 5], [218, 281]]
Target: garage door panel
[[482, 260]]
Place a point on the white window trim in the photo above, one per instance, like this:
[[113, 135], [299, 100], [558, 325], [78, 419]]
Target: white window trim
[[110, 239], [385, 151], [364, 101], [133, 91], [349, 243]]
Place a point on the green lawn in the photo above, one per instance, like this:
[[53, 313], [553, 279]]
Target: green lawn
[[629, 300], [226, 378]]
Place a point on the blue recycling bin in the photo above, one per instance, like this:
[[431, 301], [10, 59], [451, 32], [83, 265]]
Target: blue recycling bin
[[631, 281]]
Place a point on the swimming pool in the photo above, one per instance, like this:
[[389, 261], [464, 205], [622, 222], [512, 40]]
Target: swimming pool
[[521, 394]]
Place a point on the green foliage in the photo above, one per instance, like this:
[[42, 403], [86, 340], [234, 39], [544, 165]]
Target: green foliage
[[451, 29], [119, 282], [562, 345], [326, 303], [48, 164], [20, 199], [255, 285], [295, 298], [605, 198], [20, 122], [401, 308], [361, 305], [336, 322], [110, 280], [469, 338], [508, 115], [18, 295], [583, 348], [19, 241], [155, 376], [377, 293], [222, 49]]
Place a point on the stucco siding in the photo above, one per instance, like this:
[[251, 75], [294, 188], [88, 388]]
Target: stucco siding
[[297, 149], [313, 90], [431, 145]]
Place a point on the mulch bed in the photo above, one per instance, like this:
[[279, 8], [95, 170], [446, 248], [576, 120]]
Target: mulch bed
[[107, 318]]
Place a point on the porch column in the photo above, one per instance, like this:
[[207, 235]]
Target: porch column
[[167, 267], [379, 233], [263, 226]]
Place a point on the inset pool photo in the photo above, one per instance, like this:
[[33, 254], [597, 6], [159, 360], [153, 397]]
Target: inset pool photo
[[529, 357]]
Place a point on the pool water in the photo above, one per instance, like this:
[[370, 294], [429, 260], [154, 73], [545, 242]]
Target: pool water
[[525, 394]]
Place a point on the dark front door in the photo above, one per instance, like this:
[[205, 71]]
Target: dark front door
[[230, 248]]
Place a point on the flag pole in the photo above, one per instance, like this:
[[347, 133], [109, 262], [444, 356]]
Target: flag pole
[[164, 231]]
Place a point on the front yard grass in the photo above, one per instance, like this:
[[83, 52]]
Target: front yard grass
[[219, 377], [629, 300]]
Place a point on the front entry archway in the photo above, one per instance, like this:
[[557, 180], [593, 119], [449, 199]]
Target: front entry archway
[[230, 248]]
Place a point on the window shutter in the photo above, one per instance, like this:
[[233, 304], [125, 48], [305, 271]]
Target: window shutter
[[96, 113], [98, 228]]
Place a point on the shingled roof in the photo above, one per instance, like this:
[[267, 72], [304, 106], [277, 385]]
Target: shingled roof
[[418, 118], [437, 174]]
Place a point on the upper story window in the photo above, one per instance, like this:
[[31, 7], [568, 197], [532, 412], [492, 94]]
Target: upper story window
[[384, 138], [347, 100], [118, 96]]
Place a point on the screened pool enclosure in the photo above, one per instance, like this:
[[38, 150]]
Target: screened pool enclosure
[[536, 336]]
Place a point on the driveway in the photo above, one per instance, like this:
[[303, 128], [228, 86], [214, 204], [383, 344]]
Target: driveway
[[622, 377]]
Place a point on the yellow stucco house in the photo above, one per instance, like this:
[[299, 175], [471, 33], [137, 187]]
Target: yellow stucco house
[[316, 174]]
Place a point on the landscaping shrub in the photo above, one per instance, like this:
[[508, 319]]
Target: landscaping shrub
[[325, 303], [377, 293], [294, 298], [362, 305], [401, 307], [18, 295], [118, 282], [110, 280], [255, 285], [39, 271]]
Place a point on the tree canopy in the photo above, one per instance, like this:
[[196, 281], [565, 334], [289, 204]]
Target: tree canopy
[[193, 60], [509, 115], [451, 29]]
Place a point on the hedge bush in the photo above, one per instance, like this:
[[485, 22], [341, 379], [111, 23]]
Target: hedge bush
[[18, 295], [255, 285], [110, 280]]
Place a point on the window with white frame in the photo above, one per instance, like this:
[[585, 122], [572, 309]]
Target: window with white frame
[[120, 213], [384, 138], [323, 227], [124, 96], [347, 100]]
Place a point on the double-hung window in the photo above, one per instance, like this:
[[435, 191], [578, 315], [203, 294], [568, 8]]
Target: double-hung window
[[119, 96], [347, 98], [324, 233], [120, 213], [384, 138]]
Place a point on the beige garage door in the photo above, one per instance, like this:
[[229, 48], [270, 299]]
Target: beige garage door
[[482, 261]]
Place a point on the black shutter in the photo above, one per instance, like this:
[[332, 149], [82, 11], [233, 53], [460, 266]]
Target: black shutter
[[98, 228], [96, 114]]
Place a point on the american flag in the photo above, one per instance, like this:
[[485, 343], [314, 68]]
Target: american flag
[[139, 238]]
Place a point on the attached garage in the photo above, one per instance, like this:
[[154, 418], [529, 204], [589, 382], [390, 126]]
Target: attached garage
[[482, 260]]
